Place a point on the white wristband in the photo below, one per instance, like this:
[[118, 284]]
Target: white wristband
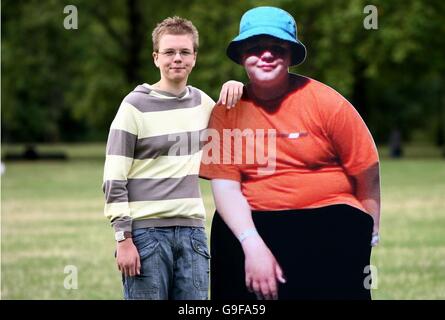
[[375, 239], [246, 234]]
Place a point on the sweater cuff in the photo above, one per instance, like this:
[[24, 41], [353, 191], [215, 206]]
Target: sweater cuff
[[122, 224]]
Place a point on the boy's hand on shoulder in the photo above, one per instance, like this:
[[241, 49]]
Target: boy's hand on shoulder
[[231, 93]]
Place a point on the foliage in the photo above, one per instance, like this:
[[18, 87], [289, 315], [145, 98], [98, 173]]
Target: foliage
[[62, 85]]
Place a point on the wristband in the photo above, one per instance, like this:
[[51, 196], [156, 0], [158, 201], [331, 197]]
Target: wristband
[[375, 239], [246, 234]]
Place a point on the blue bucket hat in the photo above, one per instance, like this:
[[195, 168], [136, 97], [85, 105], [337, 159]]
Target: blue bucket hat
[[269, 21]]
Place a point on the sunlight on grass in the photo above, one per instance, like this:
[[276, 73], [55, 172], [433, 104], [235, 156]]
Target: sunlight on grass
[[52, 216]]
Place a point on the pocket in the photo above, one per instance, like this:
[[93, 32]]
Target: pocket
[[145, 242], [200, 248], [146, 285], [138, 232], [201, 259], [143, 287]]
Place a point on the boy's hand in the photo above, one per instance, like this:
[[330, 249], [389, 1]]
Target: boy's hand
[[230, 94], [127, 258]]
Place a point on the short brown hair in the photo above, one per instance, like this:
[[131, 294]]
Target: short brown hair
[[177, 26]]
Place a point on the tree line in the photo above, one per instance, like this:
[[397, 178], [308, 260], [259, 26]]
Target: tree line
[[66, 85]]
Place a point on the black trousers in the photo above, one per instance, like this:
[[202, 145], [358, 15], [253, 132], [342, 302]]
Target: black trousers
[[323, 253]]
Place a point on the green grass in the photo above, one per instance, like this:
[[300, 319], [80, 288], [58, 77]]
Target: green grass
[[411, 258], [52, 217]]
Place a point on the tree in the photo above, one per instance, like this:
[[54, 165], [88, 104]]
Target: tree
[[63, 84]]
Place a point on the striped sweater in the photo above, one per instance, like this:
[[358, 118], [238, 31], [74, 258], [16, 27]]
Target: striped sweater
[[152, 161]]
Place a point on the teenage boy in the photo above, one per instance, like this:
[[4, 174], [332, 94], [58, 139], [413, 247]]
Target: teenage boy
[[151, 172]]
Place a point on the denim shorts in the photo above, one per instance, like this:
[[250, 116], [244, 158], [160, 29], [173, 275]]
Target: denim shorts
[[174, 264]]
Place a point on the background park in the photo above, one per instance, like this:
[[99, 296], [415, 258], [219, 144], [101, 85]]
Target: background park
[[60, 89]]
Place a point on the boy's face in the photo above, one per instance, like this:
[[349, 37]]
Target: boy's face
[[176, 57], [265, 59]]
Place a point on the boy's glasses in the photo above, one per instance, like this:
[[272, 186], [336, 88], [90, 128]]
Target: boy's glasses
[[172, 53]]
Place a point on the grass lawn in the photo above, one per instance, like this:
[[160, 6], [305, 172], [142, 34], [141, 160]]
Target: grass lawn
[[52, 218]]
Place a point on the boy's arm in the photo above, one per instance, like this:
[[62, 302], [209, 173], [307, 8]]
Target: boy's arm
[[119, 157], [118, 161]]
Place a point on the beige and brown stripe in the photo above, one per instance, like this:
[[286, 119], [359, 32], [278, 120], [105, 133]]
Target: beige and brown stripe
[[152, 158]]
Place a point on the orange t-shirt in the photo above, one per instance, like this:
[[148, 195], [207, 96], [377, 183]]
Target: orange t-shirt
[[300, 154]]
